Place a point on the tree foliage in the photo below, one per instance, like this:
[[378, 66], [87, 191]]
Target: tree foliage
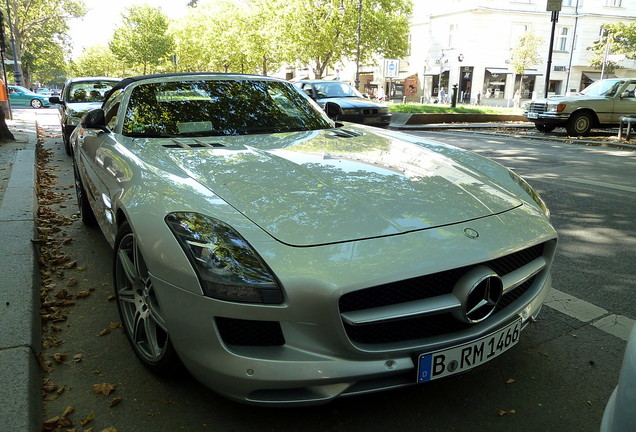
[[98, 61], [622, 40], [39, 29], [143, 38]]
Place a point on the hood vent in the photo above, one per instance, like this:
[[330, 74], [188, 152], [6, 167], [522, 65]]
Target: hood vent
[[191, 144]]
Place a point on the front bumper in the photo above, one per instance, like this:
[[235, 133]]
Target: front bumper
[[555, 119], [380, 120], [320, 359]]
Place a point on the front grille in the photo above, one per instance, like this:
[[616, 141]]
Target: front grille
[[535, 107], [368, 111], [421, 288], [240, 332]]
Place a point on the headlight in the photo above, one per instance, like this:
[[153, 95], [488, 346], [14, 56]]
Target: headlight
[[350, 111], [530, 191], [227, 266], [555, 107], [383, 110]]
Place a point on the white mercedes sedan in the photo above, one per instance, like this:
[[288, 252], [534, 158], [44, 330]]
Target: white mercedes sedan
[[284, 257]]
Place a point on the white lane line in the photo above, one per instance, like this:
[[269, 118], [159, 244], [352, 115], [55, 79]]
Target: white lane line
[[616, 325], [601, 184]]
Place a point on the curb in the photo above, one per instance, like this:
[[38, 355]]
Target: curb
[[20, 376]]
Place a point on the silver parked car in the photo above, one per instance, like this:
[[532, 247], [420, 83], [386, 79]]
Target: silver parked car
[[620, 412], [78, 96], [285, 260]]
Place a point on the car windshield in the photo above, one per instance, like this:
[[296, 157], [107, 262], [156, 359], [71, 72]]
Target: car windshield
[[219, 107], [603, 88], [89, 91], [335, 89]]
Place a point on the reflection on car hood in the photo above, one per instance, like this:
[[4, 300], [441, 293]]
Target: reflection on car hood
[[310, 188], [351, 102]]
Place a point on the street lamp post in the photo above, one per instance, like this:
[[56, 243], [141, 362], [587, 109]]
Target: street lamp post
[[16, 71], [357, 82]]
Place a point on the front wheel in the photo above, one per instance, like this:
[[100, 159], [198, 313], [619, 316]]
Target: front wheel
[[579, 124], [139, 306], [36, 103], [544, 128]]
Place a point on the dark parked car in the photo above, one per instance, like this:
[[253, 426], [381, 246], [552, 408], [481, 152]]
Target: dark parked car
[[355, 107], [78, 96]]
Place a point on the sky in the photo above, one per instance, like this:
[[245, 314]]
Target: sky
[[97, 26]]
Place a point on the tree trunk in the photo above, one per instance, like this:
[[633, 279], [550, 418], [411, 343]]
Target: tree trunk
[[5, 133]]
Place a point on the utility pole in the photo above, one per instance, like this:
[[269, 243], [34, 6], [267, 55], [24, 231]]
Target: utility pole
[[553, 6]]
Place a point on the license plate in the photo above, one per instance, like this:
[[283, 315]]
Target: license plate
[[467, 356], [532, 115]]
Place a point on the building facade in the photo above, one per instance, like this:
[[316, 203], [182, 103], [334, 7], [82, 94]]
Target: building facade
[[468, 43]]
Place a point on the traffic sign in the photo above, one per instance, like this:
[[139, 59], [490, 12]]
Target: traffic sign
[[391, 68]]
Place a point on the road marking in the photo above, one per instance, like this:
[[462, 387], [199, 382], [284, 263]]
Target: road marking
[[601, 184], [616, 325]]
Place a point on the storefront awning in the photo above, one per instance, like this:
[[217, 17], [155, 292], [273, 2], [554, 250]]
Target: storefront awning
[[498, 71], [595, 76], [532, 72]]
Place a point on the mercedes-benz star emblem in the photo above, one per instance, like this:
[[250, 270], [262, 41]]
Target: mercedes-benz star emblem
[[478, 291]]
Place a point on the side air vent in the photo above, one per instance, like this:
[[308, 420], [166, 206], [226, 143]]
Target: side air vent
[[191, 144]]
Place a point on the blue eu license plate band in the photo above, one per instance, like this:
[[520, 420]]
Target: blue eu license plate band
[[467, 356]]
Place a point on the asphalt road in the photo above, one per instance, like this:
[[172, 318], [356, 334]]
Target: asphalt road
[[558, 378]]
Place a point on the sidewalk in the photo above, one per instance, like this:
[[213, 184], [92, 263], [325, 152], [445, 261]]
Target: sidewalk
[[20, 377]]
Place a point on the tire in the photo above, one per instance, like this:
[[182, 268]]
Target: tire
[[36, 103], [67, 143], [580, 124], [544, 128], [86, 212], [139, 308]]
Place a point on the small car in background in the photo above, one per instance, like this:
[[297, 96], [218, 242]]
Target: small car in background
[[78, 96], [355, 107], [20, 96], [285, 258], [43, 91]]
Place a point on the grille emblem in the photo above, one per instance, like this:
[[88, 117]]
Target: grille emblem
[[478, 291]]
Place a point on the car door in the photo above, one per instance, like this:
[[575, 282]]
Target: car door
[[102, 168], [625, 104], [17, 97]]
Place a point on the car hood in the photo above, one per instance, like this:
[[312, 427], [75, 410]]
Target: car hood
[[320, 187], [351, 102]]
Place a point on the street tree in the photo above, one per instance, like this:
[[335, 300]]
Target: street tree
[[40, 32], [525, 54], [98, 60], [618, 38], [143, 38], [322, 33]]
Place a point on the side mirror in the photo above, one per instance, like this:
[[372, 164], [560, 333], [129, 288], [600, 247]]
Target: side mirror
[[627, 94], [333, 110], [95, 119], [309, 92], [56, 100]]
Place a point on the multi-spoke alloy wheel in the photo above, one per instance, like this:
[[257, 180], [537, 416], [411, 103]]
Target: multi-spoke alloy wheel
[[138, 306]]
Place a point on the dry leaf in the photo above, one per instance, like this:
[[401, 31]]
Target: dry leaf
[[59, 357], [87, 419], [82, 294], [114, 325], [78, 358], [81, 268], [502, 413], [104, 332], [103, 388], [68, 411], [511, 380], [72, 282], [71, 265], [111, 297], [110, 429], [114, 402]]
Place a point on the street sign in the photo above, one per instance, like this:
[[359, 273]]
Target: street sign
[[554, 5], [391, 68]]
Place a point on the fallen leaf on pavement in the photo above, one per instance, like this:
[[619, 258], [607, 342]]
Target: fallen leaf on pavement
[[103, 388], [502, 413]]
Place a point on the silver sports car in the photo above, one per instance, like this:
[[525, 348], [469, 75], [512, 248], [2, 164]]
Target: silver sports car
[[286, 258]]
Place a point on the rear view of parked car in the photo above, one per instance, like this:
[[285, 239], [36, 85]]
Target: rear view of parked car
[[355, 107], [78, 96]]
